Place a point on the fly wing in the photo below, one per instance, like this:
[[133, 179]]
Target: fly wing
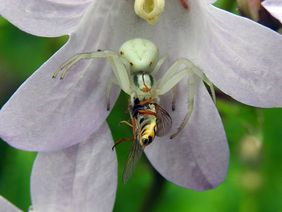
[[133, 157], [164, 121]]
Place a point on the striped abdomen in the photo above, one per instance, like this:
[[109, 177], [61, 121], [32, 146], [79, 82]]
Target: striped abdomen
[[144, 115], [147, 129]]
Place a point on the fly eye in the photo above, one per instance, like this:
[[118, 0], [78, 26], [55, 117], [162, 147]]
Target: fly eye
[[145, 141], [150, 139], [136, 101]]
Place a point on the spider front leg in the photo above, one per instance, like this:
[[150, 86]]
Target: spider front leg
[[191, 94], [110, 84], [159, 64], [64, 68], [174, 75], [119, 69]]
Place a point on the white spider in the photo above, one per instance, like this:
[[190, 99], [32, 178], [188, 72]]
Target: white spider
[[135, 66]]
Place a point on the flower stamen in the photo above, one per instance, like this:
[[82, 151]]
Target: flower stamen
[[149, 10], [185, 4]]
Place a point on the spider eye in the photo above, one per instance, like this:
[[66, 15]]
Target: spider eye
[[140, 54]]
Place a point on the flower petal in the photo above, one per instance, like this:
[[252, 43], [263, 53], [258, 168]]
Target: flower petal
[[45, 18], [274, 7], [108, 19], [242, 58], [6, 206], [80, 178], [197, 157], [72, 110], [48, 114]]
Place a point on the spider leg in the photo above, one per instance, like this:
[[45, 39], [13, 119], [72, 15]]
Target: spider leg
[[175, 70], [64, 68], [174, 75], [159, 64], [118, 67], [108, 91], [191, 95]]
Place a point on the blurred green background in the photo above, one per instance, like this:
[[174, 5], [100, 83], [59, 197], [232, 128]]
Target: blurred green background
[[254, 180]]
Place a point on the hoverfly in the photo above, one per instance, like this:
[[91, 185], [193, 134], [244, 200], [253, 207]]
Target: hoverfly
[[134, 67], [148, 119]]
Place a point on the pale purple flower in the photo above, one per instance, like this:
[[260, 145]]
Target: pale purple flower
[[239, 56], [250, 8], [6, 206], [78, 178], [255, 10], [274, 7]]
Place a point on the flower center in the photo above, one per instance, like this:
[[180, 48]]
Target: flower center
[[149, 6], [149, 10]]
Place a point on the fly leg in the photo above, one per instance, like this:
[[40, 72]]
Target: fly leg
[[173, 98], [122, 140], [126, 123], [119, 141]]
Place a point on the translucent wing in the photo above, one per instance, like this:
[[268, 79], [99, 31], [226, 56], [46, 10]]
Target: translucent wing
[[133, 157], [164, 121]]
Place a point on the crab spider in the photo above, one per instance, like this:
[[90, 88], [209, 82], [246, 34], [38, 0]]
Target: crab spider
[[134, 67]]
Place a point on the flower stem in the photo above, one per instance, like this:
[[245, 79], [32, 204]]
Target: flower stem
[[154, 194]]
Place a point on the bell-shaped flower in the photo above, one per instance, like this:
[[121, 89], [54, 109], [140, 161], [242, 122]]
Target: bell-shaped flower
[[5, 205], [255, 10], [239, 56], [250, 8], [274, 7], [78, 178]]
